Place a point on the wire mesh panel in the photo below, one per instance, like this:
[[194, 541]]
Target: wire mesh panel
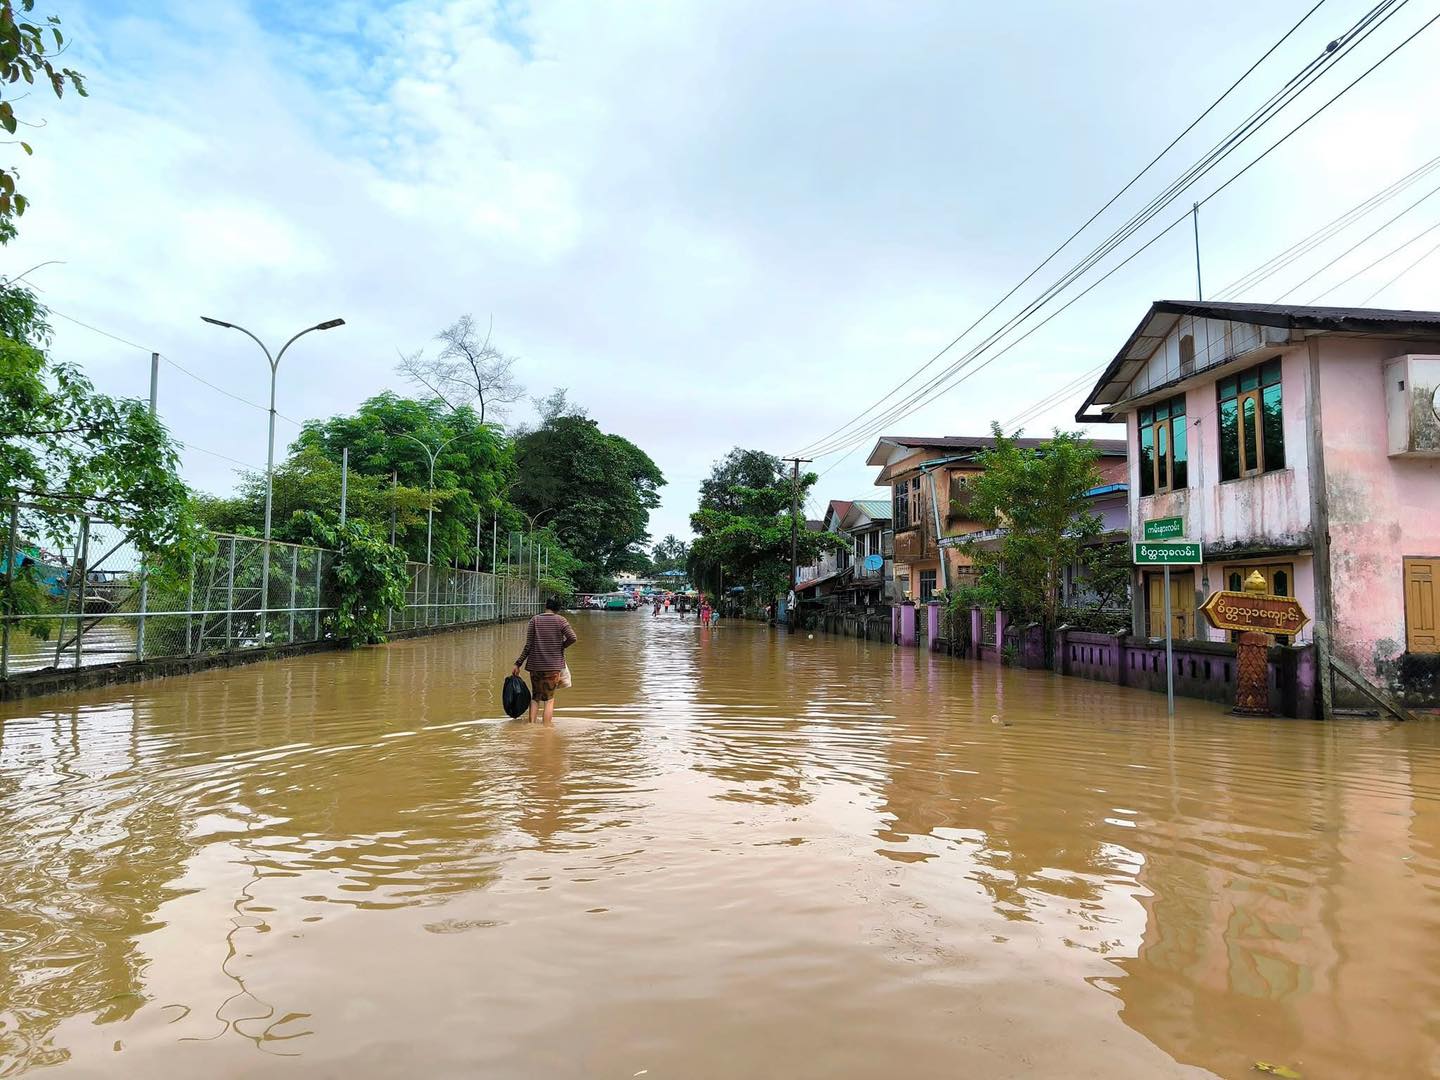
[[82, 594]]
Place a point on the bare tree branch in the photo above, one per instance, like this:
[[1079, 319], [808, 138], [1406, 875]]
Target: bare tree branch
[[467, 369]]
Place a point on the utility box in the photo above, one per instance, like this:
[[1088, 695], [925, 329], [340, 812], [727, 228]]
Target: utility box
[[1412, 405]]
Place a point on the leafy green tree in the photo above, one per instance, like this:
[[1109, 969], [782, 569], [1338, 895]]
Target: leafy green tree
[[63, 443], [474, 467], [740, 470], [594, 490], [744, 532], [1037, 497], [368, 576], [27, 51], [669, 554], [308, 482]]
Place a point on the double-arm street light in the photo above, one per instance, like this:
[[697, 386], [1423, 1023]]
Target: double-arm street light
[[432, 455], [274, 361]]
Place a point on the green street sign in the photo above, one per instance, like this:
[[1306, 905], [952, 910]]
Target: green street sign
[[1171, 528], [1168, 553]]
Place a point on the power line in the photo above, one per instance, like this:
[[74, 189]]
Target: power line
[[1310, 242], [221, 390], [96, 329], [173, 363], [1066, 242], [954, 372], [1377, 262], [222, 457], [1374, 232], [1402, 273]]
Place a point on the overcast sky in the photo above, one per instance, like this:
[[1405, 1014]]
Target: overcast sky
[[717, 223]]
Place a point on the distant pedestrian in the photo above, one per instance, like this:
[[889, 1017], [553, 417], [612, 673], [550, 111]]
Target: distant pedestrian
[[656, 612], [546, 639], [704, 612]]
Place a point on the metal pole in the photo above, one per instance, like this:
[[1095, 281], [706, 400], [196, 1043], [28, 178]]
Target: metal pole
[[430, 513], [269, 500], [1169, 652], [230, 601], [9, 591], [295, 578], [84, 575], [319, 562], [144, 574], [190, 607], [344, 482], [1195, 217], [477, 541], [494, 542]]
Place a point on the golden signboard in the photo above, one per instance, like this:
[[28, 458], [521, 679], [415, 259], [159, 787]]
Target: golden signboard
[[1261, 612]]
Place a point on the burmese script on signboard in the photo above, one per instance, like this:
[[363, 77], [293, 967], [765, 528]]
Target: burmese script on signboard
[[1255, 611]]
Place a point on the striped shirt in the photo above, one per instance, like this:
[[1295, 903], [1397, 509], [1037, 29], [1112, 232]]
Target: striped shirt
[[546, 639]]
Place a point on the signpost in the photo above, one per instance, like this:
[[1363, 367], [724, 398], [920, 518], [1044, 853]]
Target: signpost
[[1254, 613], [1169, 553], [1162, 549], [1170, 528]]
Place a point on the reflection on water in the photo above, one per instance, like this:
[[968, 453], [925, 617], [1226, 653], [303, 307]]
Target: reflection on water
[[736, 854]]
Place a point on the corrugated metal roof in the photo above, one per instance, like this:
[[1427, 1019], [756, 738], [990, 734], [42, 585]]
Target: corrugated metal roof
[[1162, 316], [976, 443], [875, 509]]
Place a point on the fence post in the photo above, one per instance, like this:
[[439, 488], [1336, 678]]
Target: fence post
[[319, 562], [294, 581], [84, 576], [9, 591], [230, 602], [189, 611]]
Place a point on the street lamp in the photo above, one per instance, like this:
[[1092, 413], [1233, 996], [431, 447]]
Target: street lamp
[[274, 361], [532, 519], [432, 455]]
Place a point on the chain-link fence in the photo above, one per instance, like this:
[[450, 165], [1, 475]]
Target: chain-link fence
[[81, 594]]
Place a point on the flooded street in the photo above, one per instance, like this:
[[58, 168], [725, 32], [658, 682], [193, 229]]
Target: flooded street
[[737, 854]]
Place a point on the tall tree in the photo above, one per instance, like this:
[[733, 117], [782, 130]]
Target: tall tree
[[27, 51], [594, 490], [473, 467], [64, 444], [744, 531], [669, 554], [1037, 498], [739, 471], [468, 371]]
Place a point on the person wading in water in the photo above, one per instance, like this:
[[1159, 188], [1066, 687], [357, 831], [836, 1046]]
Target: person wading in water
[[546, 639]]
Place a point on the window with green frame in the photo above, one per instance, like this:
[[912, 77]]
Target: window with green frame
[[1164, 448], [1252, 430]]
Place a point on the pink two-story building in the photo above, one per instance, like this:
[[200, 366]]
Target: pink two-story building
[[1303, 443]]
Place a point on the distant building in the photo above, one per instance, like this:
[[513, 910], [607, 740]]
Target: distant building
[[929, 500], [1302, 443]]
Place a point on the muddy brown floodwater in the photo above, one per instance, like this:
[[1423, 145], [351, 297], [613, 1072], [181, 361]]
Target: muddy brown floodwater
[[737, 854]]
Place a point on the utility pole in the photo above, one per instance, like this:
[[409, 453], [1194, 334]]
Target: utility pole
[[144, 575], [795, 464], [1195, 218]]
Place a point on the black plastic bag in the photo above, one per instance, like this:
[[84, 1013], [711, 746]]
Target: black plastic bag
[[515, 697]]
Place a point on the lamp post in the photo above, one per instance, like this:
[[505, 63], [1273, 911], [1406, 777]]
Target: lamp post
[[274, 361], [532, 520], [432, 455]]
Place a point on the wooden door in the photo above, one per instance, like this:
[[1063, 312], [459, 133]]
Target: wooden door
[[1182, 603], [1422, 603]]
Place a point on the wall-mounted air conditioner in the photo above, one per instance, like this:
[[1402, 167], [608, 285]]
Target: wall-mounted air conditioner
[[1412, 405]]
